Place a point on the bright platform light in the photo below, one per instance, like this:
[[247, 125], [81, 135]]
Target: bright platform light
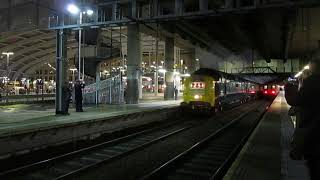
[[162, 70], [73, 9], [89, 12], [298, 74], [307, 67], [7, 53], [185, 75]]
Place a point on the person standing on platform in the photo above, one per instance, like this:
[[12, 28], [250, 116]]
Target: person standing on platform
[[176, 91], [307, 133], [67, 94], [78, 95]]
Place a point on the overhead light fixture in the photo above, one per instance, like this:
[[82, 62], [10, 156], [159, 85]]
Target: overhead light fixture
[[73, 9], [298, 74], [307, 67], [162, 70], [185, 75], [7, 53], [89, 12]]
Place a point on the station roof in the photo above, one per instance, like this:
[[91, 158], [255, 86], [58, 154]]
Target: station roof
[[31, 48], [273, 32]]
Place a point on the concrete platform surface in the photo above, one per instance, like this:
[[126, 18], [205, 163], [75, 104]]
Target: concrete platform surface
[[266, 155], [25, 117]]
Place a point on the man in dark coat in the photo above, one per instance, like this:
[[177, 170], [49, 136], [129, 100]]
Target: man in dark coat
[[78, 95], [67, 94], [176, 91], [307, 100]]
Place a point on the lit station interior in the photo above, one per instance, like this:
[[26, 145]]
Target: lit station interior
[[170, 89]]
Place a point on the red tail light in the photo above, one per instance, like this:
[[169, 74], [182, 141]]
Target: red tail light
[[273, 92], [265, 92]]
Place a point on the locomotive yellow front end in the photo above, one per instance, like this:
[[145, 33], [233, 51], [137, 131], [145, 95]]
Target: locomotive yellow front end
[[199, 93]]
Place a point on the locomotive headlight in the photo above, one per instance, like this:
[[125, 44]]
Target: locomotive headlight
[[196, 96]]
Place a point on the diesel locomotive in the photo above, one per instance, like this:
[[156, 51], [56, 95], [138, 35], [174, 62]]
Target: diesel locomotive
[[209, 91]]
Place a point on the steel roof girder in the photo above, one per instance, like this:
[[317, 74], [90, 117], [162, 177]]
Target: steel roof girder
[[29, 67], [49, 50], [22, 42]]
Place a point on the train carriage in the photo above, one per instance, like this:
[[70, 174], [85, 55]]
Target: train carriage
[[270, 90]]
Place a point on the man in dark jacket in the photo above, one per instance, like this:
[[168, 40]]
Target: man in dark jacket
[[78, 95], [307, 100], [67, 94], [176, 91]]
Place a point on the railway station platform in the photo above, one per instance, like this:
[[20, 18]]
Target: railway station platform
[[266, 154], [25, 117], [27, 127]]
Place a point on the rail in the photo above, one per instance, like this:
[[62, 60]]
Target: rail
[[71, 164], [211, 157]]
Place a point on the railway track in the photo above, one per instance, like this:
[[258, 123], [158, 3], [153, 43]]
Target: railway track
[[74, 163], [211, 157], [80, 162]]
